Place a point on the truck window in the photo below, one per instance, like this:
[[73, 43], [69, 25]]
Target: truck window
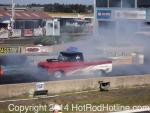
[[70, 57]]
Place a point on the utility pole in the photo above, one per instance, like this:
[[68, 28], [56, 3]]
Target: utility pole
[[94, 17], [108, 3], [13, 14], [94, 9], [95, 21], [121, 4], [135, 3]]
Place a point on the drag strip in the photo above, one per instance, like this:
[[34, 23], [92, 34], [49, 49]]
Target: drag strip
[[118, 70]]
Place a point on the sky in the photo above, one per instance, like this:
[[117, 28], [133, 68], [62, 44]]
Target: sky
[[47, 1]]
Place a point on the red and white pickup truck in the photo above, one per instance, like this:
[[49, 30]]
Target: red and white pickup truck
[[70, 63]]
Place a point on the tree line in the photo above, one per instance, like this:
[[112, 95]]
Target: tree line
[[68, 8], [57, 7]]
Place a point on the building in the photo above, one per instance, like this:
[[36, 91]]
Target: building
[[36, 8], [121, 17], [7, 7], [74, 22], [123, 3], [28, 23]]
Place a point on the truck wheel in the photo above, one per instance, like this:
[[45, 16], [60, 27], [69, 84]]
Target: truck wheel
[[58, 74], [99, 72]]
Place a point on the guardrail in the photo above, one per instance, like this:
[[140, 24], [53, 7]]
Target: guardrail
[[56, 87]]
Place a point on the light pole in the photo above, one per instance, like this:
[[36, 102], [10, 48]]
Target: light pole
[[121, 4], [94, 7], [95, 17], [135, 3], [13, 14], [108, 3]]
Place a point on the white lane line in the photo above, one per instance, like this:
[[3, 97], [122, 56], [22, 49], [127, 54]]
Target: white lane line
[[53, 96]]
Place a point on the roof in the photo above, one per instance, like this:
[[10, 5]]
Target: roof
[[71, 15], [25, 15]]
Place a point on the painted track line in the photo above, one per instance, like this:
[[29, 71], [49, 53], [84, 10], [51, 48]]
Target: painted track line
[[53, 96]]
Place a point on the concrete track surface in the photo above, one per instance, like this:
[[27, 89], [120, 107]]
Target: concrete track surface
[[118, 70]]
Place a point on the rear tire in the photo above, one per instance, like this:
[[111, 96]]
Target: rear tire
[[99, 72], [58, 74]]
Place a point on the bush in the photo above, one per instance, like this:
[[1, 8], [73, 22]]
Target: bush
[[51, 40]]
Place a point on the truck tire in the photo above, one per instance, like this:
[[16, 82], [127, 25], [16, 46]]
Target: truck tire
[[58, 74], [99, 72]]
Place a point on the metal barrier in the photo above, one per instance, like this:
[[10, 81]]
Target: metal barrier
[[104, 86], [40, 93]]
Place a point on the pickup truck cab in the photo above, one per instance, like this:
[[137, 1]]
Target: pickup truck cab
[[70, 63]]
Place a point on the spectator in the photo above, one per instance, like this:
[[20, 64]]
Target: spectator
[[9, 30], [57, 109]]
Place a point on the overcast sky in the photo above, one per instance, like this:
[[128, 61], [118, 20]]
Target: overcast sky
[[48, 1]]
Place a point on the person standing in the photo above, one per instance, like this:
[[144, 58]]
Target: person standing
[[57, 109], [9, 30]]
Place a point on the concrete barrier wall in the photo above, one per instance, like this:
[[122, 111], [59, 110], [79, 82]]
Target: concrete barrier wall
[[54, 87]]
